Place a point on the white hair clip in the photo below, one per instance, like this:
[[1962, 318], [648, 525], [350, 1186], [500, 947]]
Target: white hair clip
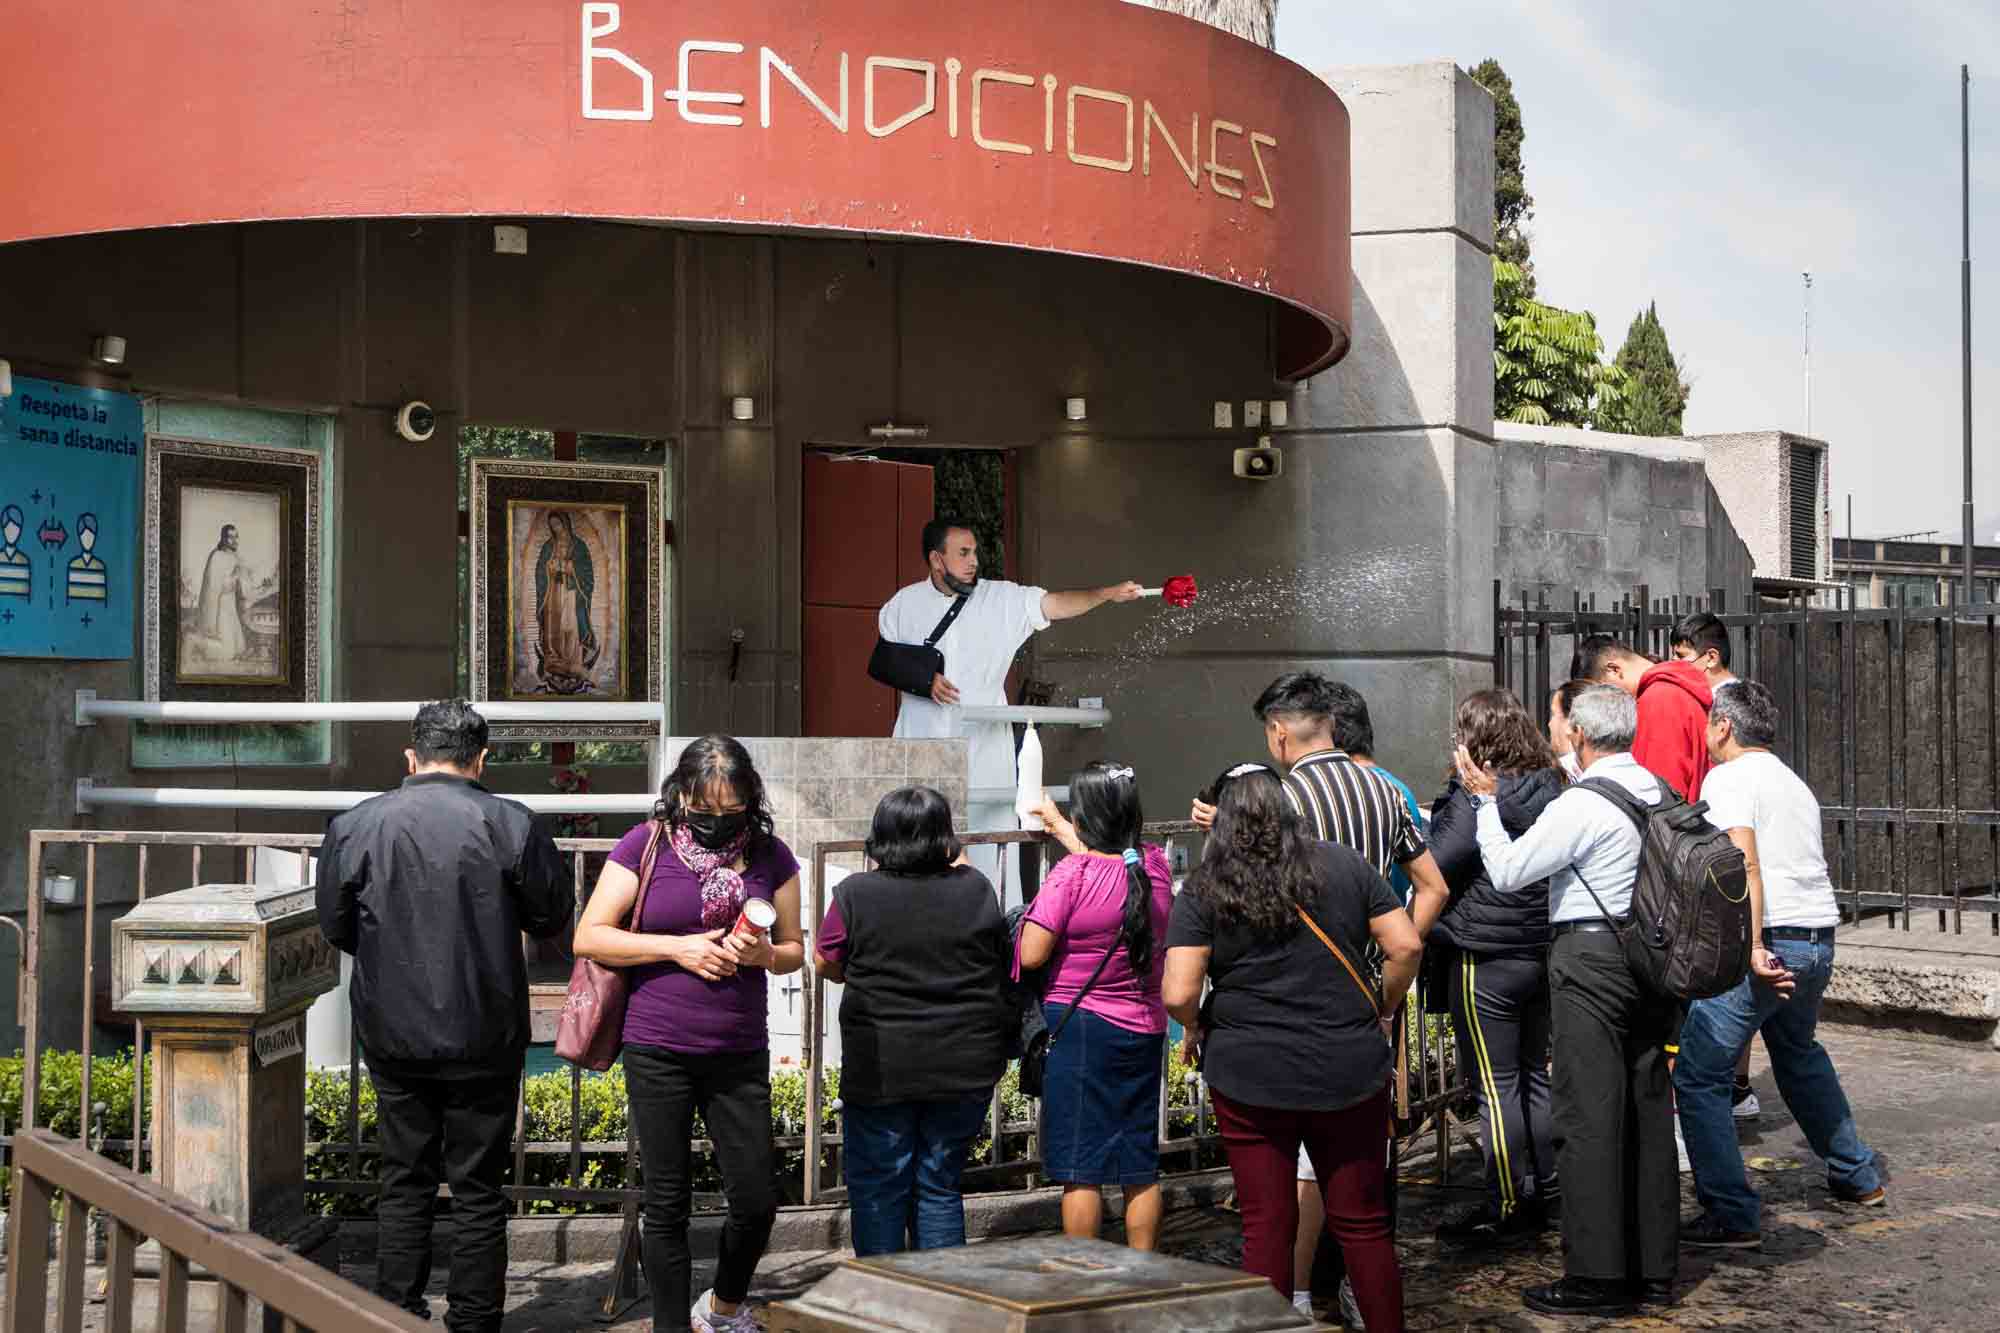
[[1120, 774]]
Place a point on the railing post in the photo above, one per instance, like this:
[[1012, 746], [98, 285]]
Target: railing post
[[28, 1251], [224, 974]]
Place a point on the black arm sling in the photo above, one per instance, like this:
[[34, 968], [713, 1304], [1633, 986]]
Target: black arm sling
[[913, 667]]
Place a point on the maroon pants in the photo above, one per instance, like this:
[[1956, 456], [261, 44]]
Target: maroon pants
[[1348, 1149]]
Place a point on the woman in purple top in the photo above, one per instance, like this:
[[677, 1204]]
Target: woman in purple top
[[695, 1021], [1104, 904]]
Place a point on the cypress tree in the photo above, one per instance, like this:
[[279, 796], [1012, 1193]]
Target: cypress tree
[[1657, 394]]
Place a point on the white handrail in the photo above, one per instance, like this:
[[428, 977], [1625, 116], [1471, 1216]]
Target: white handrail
[[89, 708], [1062, 717], [89, 796]]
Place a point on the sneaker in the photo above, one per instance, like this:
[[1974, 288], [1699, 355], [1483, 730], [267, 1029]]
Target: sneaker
[[1350, 1309], [1302, 1301], [1681, 1147], [1875, 1198], [1743, 1102], [1705, 1233], [704, 1318]]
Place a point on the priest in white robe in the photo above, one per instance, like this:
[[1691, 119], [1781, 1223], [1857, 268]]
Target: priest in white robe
[[978, 648]]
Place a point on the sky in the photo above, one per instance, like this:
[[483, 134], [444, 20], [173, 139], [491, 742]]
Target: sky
[[1702, 155]]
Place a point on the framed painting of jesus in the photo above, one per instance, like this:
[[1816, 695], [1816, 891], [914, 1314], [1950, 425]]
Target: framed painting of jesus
[[565, 564]]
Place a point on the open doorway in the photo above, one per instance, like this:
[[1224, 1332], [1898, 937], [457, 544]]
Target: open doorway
[[864, 511]]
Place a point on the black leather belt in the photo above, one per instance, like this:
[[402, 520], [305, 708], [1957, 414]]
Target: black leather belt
[[1583, 927], [1808, 934]]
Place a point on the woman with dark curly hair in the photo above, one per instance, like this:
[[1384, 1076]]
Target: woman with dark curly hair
[[1293, 1042], [696, 1023], [1492, 950]]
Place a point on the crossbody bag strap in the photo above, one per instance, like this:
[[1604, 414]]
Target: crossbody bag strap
[[646, 862], [1077, 1003], [1333, 948], [945, 623]]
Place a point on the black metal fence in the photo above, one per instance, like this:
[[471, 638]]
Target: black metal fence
[[1892, 715]]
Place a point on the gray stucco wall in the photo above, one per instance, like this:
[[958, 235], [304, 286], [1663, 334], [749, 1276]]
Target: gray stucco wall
[[1381, 527]]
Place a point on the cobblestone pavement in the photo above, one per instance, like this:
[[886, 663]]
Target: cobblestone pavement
[[1930, 1260]]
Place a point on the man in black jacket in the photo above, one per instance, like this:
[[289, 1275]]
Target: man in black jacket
[[430, 887]]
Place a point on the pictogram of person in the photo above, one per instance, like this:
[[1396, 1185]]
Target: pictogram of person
[[88, 579], [16, 573]]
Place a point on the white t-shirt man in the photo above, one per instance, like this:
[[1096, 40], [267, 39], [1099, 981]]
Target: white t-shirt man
[[1757, 791], [978, 649]]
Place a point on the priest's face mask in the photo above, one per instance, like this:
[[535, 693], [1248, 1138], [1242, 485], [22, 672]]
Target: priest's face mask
[[957, 565]]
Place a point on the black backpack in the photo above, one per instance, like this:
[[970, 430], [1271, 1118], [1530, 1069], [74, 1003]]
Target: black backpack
[[1688, 933]]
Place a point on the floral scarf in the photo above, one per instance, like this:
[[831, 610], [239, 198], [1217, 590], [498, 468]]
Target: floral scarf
[[722, 890]]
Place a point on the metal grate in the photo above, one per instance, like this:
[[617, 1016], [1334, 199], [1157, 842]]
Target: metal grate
[[1804, 496]]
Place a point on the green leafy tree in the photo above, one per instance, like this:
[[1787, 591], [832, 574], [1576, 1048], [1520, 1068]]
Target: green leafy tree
[[1548, 367], [1513, 206], [1656, 394]]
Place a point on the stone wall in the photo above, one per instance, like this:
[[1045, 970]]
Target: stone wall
[[1602, 514]]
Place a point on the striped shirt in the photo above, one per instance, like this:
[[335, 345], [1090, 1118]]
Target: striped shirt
[[1343, 802]]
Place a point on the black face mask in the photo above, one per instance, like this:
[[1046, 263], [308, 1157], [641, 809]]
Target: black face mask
[[715, 832], [961, 589]]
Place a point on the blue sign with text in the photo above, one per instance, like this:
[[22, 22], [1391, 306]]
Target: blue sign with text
[[69, 520]]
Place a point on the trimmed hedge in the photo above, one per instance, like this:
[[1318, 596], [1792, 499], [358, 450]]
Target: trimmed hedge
[[602, 1106]]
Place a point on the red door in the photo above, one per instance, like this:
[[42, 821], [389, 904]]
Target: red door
[[863, 524]]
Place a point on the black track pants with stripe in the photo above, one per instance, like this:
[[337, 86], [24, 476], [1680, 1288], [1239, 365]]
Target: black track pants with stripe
[[1500, 1015]]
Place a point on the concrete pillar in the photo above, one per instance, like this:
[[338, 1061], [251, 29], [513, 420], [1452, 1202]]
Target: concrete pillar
[[1382, 525], [222, 975]]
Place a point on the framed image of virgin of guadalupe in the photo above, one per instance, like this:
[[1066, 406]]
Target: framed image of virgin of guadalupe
[[566, 564]]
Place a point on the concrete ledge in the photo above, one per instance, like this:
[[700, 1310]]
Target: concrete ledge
[[1921, 980], [594, 1239]]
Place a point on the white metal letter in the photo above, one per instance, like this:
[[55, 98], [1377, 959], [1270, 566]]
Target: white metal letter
[[981, 77], [768, 60], [1077, 90], [1191, 168], [689, 98], [1269, 198], [601, 20], [1216, 171], [928, 105]]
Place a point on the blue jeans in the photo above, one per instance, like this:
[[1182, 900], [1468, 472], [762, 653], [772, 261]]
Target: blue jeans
[[904, 1160], [1716, 1031]]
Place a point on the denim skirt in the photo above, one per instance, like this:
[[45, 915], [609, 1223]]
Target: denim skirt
[[1100, 1102]]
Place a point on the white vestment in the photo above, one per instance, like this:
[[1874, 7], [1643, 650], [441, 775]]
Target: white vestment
[[978, 648]]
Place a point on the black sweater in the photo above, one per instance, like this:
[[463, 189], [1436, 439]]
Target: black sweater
[[922, 1016], [1480, 919]]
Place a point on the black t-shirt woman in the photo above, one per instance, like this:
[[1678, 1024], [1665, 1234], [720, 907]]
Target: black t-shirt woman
[[1295, 1050]]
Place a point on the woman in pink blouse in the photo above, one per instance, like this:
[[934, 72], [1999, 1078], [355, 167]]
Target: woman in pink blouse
[[1102, 912]]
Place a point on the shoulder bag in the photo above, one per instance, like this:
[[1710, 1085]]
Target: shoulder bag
[[913, 667], [591, 1031], [1035, 1060], [1374, 1001]]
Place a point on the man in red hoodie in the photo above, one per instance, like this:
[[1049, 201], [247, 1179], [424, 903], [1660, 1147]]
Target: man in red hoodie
[[1673, 697]]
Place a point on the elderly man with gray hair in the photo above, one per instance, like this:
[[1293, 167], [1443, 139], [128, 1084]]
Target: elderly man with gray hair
[[1612, 1094]]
